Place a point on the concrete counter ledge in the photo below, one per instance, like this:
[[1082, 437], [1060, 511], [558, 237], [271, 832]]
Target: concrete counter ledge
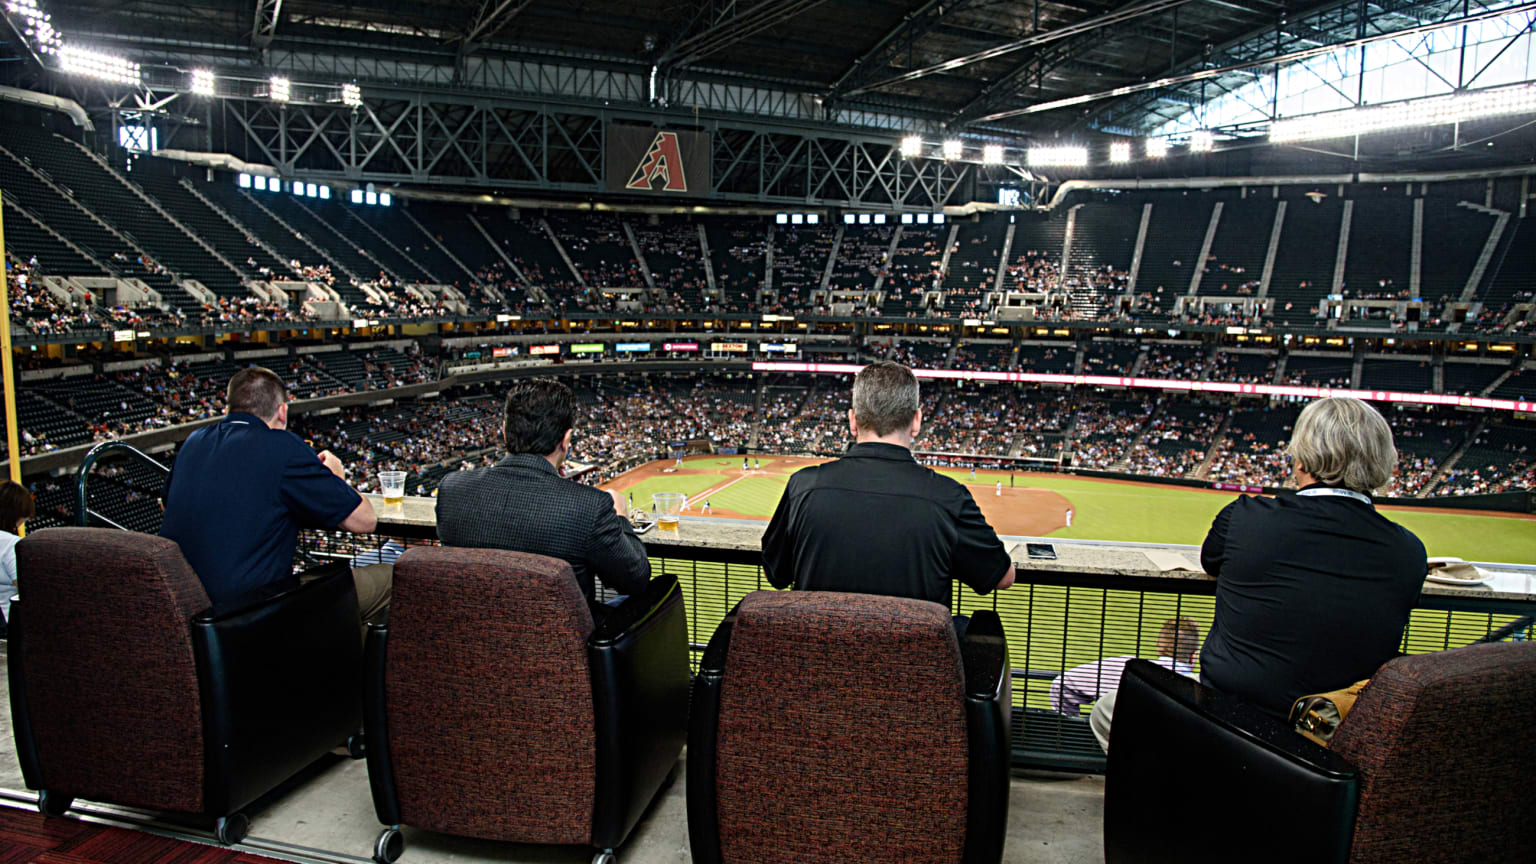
[[1078, 562]]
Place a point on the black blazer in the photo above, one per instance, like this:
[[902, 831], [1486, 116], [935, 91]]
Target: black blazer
[[523, 505]]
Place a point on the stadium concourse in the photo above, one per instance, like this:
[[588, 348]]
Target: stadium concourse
[[1123, 246]]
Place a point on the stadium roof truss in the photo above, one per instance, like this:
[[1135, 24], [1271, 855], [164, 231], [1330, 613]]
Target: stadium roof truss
[[432, 139], [1344, 55]]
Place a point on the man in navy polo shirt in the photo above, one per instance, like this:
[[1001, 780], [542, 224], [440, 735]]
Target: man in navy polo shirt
[[242, 488]]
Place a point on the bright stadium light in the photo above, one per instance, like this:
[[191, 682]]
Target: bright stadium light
[[357, 196], [1157, 148], [911, 147], [1120, 151], [1202, 141], [351, 95], [36, 26], [906, 219], [1071, 157], [325, 193], [103, 67], [279, 88], [260, 182], [202, 82], [992, 154], [1437, 111], [310, 191], [385, 199], [953, 150]]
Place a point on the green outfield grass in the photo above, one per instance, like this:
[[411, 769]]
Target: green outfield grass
[[1112, 511], [1053, 628]]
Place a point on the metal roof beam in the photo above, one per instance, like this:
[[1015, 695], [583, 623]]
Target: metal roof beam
[[1124, 13], [729, 29], [912, 27], [493, 15], [265, 28]]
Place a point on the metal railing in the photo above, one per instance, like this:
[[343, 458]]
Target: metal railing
[[1053, 624], [83, 512]]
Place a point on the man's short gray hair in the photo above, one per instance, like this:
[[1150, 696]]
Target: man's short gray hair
[[885, 397], [1344, 442]]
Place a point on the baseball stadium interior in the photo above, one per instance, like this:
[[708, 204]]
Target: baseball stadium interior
[[1122, 246]]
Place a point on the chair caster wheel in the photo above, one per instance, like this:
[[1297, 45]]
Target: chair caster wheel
[[231, 829], [52, 803], [357, 746], [389, 847], [604, 857]]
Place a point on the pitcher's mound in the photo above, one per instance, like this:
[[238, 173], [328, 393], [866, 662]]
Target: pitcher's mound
[[1029, 512]]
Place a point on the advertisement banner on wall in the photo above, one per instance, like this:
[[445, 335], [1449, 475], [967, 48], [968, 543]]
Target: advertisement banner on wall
[[681, 346], [729, 347], [661, 161], [587, 348], [630, 347], [544, 349], [504, 352]]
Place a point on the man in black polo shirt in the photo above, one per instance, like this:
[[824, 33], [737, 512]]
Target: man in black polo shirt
[[241, 489], [875, 521]]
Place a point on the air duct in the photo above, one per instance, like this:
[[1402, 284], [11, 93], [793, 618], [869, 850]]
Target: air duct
[[222, 161], [69, 107]]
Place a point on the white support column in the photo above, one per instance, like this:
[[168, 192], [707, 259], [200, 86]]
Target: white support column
[[1274, 246], [1141, 242], [1002, 262], [1416, 250], [1205, 249], [1343, 251]]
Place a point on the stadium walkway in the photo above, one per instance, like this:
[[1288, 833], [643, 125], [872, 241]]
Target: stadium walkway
[[1052, 819]]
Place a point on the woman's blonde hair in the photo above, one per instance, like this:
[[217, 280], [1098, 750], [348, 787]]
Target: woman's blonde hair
[[1344, 442]]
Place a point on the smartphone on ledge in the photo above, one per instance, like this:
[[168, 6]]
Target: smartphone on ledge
[[1044, 551]]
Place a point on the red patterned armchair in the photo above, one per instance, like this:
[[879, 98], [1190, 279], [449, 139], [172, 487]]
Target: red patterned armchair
[[1430, 765], [127, 688], [849, 727], [495, 708]]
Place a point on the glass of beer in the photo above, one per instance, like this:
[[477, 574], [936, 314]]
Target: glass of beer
[[668, 506], [392, 484]]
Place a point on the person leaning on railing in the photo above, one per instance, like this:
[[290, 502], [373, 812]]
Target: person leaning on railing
[[877, 522], [241, 489], [1313, 588]]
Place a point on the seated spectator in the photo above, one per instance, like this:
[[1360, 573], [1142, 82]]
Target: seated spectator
[[241, 489], [877, 522], [1178, 645], [16, 507], [1313, 588], [522, 504]]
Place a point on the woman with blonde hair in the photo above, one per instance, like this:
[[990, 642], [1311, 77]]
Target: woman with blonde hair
[[1313, 587]]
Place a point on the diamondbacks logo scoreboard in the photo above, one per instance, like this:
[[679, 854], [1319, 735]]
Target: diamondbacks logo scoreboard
[[660, 161]]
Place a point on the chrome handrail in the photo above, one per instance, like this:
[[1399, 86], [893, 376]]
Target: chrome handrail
[[83, 512]]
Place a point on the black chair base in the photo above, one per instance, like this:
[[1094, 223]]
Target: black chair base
[[231, 829], [389, 846], [52, 803]]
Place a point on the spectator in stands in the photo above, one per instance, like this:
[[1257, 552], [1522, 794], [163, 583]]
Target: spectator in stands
[[241, 489], [1178, 644], [877, 522], [1313, 589], [16, 507], [523, 504]]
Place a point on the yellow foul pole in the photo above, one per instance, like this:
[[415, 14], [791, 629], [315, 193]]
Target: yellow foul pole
[[11, 434]]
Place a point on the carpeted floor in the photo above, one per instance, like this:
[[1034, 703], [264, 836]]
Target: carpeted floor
[[27, 837]]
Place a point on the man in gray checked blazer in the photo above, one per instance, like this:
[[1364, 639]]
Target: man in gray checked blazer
[[522, 504]]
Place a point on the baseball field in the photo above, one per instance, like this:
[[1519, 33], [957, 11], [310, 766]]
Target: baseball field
[[1053, 628], [1036, 505]]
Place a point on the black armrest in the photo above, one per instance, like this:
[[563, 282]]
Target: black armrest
[[381, 767], [281, 685], [1259, 791], [988, 712], [639, 663], [703, 726], [21, 717]]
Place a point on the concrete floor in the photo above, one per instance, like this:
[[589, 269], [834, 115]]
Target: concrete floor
[[1051, 820]]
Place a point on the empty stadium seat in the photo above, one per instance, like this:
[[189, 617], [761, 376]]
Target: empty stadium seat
[[1420, 770], [829, 726], [496, 708], [127, 687]]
